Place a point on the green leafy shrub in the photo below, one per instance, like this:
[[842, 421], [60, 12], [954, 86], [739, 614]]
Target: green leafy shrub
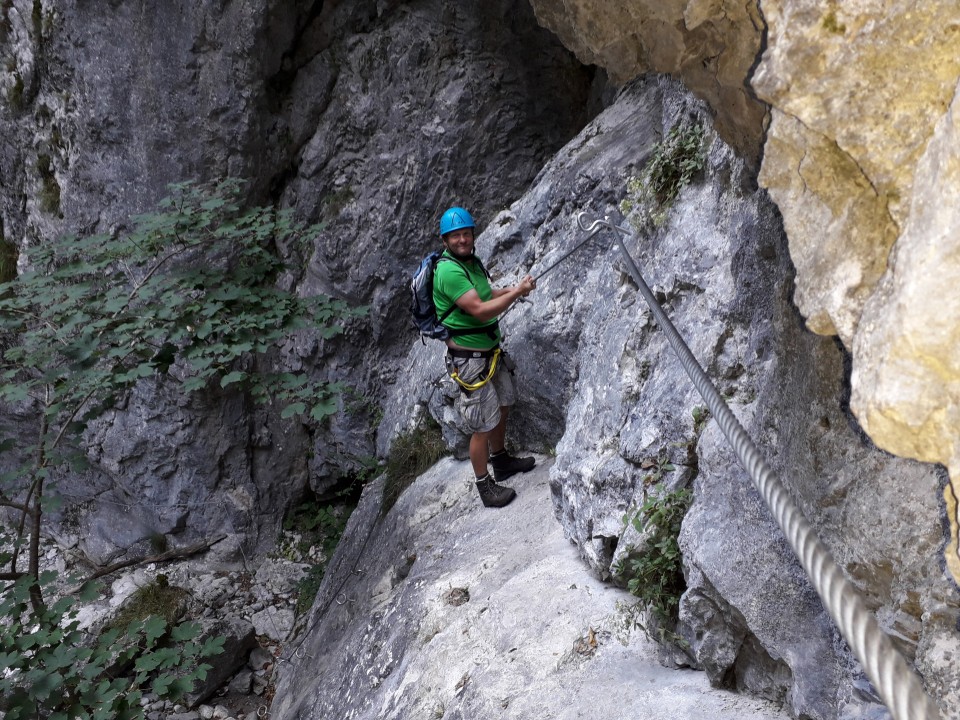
[[654, 572], [700, 415], [50, 668], [657, 469], [191, 285], [411, 454], [674, 163], [186, 297]]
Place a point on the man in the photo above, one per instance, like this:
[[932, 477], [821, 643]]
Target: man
[[474, 357]]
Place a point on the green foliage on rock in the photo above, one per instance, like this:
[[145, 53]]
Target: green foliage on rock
[[654, 571], [673, 164], [188, 297], [51, 668], [155, 599]]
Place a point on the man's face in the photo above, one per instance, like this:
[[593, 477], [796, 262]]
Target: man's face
[[459, 242]]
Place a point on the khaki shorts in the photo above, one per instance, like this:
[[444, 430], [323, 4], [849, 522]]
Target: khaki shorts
[[480, 409]]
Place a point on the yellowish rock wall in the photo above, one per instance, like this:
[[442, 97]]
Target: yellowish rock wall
[[710, 44], [862, 160], [852, 108], [906, 370]]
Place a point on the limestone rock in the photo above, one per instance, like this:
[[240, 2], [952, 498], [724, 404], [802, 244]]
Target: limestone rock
[[839, 239], [241, 683], [528, 634], [239, 640], [314, 104], [280, 576], [861, 160], [844, 186], [860, 119], [906, 374], [711, 45], [274, 623], [600, 387]]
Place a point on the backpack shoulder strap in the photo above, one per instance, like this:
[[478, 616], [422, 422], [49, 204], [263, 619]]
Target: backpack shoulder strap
[[480, 263], [453, 305], [463, 267]]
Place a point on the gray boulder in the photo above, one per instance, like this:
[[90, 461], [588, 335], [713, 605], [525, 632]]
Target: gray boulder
[[239, 640]]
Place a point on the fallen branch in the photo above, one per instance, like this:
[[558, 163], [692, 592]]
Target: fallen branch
[[174, 554], [15, 505]]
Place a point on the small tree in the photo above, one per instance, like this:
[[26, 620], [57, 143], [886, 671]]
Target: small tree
[[188, 296]]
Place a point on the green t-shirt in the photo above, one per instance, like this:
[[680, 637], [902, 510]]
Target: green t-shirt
[[450, 281]]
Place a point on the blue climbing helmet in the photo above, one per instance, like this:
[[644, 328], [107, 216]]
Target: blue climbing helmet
[[454, 219]]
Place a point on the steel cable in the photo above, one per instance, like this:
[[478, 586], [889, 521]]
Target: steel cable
[[898, 685]]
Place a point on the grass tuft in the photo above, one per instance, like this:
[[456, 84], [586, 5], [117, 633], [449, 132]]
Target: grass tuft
[[412, 453], [673, 165], [159, 599]]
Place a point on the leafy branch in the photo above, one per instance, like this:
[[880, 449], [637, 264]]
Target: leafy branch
[[50, 668], [189, 297], [654, 571]]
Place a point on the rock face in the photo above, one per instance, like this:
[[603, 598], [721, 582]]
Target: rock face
[[865, 207], [458, 611], [436, 105], [712, 45], [859, 158], [372, 116], [601, 388], [368, 116], [859, 175]]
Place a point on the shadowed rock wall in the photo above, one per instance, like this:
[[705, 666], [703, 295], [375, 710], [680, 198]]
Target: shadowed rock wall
[[367, 116]]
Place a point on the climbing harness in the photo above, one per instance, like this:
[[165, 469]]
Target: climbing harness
[[898, 686], [493, 357]]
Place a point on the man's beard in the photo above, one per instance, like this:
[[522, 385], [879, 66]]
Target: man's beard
[[460, 256]]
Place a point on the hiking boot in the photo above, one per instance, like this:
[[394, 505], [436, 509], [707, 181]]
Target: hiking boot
[[506, 466], [493, 495]]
